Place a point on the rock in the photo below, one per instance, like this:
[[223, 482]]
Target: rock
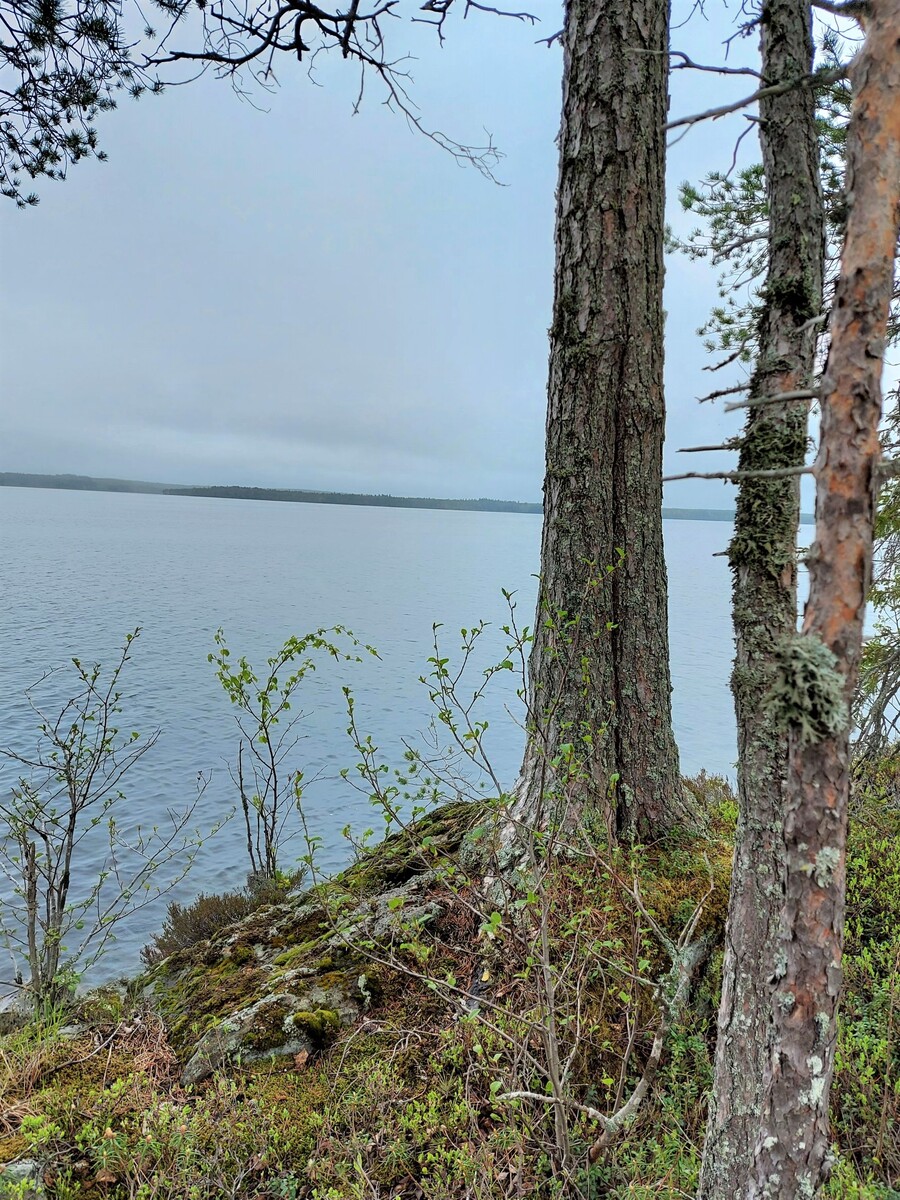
[[71, 1033], [284, 979], [23, 1179], [381, 917], [277, 1026], [15, 1012]]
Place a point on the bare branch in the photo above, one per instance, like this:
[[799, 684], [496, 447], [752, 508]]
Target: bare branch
[[724, 362], [737, 476], [776, 398], [688, 64], [729, 391], [499, 12], [818, 320], [854, 10], [247, 36], [815, 80], [751, 120]]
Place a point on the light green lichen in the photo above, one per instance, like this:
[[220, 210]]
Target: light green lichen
[[827, 861], [823, 1025], [807, 692]]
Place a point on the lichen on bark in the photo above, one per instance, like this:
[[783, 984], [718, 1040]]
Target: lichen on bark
[[763, 559], [807, 695]]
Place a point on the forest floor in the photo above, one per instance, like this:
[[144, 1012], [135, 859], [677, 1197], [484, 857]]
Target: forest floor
[[370, 1038]]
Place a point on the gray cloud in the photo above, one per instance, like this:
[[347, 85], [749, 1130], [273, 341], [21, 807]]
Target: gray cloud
[[304, 298]]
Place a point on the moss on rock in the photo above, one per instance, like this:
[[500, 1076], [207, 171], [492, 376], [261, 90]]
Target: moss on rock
[[305, 946]]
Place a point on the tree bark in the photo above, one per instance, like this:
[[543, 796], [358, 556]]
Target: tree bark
[[599, 668], [763, 556], [819, 667]]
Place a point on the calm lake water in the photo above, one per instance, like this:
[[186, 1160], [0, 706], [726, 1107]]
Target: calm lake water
[[80, 569]]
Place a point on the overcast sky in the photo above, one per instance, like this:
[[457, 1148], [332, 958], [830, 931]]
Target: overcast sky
[[301, 297]]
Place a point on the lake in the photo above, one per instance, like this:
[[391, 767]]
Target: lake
[[80, 569]]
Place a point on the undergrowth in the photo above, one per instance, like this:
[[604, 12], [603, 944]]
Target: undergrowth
[[415, 1102]]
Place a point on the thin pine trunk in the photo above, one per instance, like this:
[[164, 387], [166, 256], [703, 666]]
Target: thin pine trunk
[[764, 567], [819, 667]]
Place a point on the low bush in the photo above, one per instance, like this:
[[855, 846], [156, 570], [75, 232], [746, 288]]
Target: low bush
[[187, 924]]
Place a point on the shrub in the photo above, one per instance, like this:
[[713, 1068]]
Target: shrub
[[866, 1093], [187, 924], [64, 796]]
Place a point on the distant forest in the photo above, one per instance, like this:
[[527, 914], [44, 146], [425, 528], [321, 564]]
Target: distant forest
[[293, 496], [87, 483]]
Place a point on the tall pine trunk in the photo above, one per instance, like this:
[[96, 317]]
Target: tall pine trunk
[[599, 669], [763, 561], [819, 667]]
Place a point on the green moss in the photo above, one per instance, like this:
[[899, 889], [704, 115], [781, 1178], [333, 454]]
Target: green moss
[[102, 1004], [191, 1002], [420, 848], [792, 294], [767, 509], [12, 1146], [320, 1026], [296, 956], [270, 1029]]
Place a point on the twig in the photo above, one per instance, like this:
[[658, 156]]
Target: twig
[[734, 444], [724, 362], [819, 320], [751, 121], [687, 959], [499, 12], [729, 391], [689, 64]]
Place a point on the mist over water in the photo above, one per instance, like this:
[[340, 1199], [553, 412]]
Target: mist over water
[[81, 569]]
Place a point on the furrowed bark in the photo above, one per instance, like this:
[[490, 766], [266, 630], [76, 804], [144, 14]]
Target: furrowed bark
[[820, 666], [599, 671], [764, 570]]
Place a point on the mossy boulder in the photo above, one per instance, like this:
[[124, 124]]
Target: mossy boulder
[[283, 979], [278, 1025]]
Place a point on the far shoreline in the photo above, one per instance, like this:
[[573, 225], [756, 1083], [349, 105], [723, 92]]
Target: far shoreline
[[88, 483]]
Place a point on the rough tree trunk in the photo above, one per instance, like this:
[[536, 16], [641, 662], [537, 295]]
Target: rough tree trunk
[[819, 668], [599, 670], [763, 562]]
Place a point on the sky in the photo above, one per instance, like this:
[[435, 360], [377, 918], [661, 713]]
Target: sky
[[282, 293]]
